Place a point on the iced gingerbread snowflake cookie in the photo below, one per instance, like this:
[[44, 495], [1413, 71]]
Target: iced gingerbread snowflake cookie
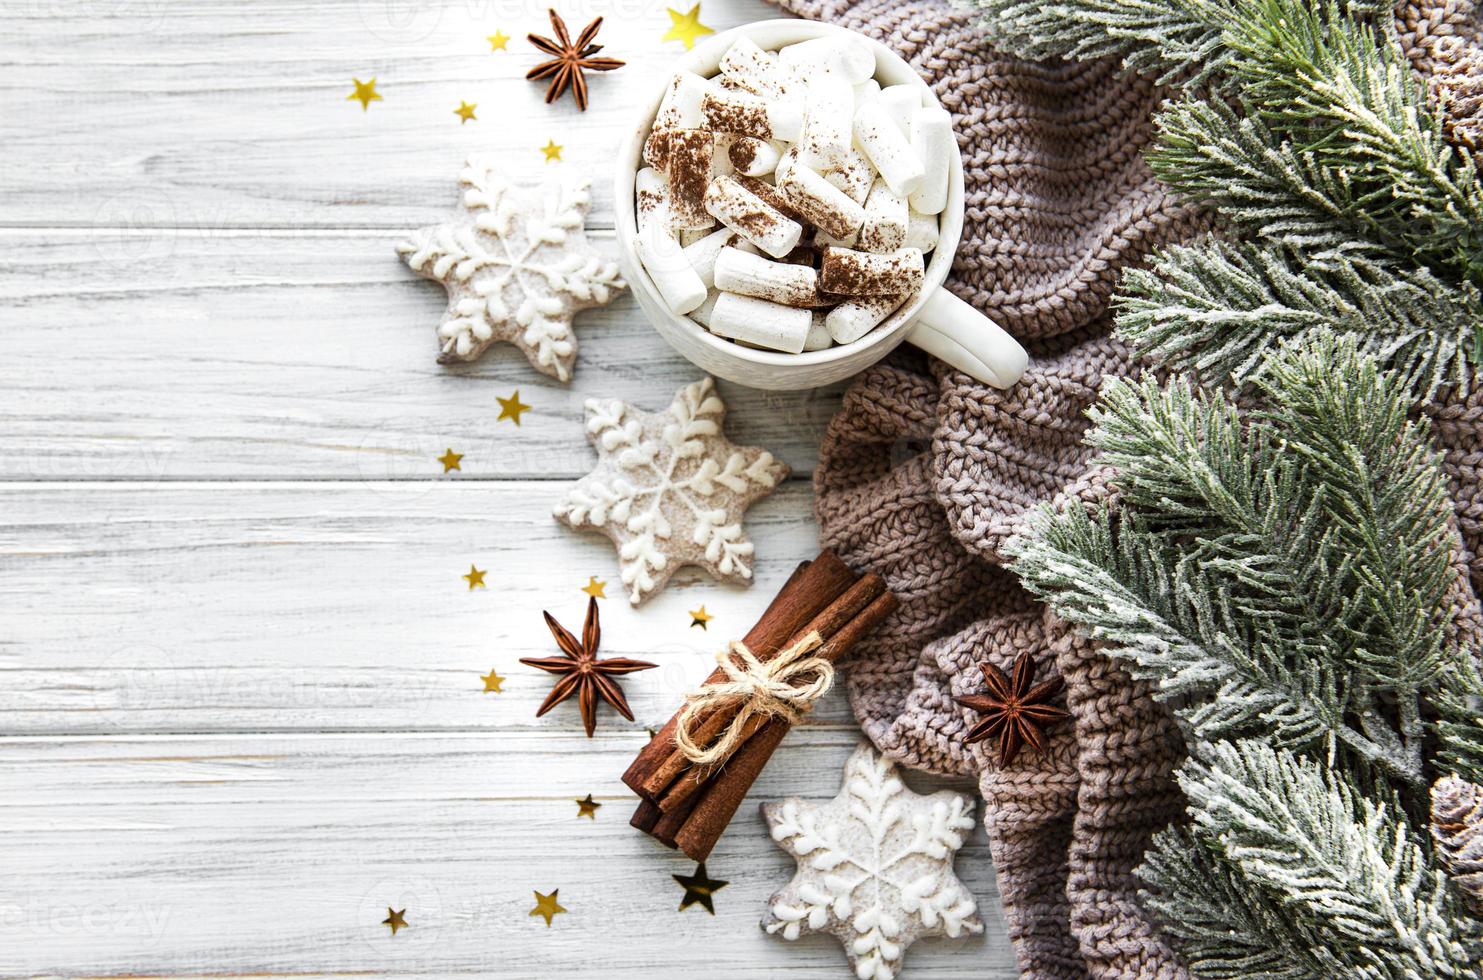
[[517, 266], [875, 866], [670, 489]]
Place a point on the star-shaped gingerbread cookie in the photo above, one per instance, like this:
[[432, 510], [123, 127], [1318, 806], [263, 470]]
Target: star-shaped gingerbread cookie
[[517, 267], [875, 866], [670, 489]]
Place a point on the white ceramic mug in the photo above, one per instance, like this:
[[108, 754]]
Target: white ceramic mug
[[934, 320]]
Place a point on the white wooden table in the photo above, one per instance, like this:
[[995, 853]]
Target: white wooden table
[[241, 711]]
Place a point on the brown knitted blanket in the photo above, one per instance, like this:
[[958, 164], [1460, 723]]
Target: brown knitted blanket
[[924, 474]]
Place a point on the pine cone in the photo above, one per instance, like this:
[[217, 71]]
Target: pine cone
[[1457, 827]]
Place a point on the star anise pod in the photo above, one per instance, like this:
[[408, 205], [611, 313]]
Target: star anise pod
[[570, 60], [582, 673], [1012, 710]]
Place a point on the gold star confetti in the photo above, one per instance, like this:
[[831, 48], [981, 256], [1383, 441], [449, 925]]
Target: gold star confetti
[[450, 460], [546, 906], [595, 588], [510, 408], [498, 40], [394, 919], [365, 93], [587, 808], [492, 682], [552, 151], [465, 111], [699, 617], [475, 577], [699, 888], [686, 27]]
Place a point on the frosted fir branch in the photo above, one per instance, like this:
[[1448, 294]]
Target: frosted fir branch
[[1342, 89], [1223, 928], [1210, 153], [1218, 310], [1386, 501], [1285, 572], [1167, 39], [1180, 42], [1459, 725], [1175, 626], [1343, 866]]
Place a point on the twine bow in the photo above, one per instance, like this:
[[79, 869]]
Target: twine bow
[[772, 688]]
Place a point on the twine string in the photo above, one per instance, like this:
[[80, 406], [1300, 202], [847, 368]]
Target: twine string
[[780, 687]]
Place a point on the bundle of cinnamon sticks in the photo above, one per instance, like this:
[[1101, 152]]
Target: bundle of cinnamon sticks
[[689, 807]]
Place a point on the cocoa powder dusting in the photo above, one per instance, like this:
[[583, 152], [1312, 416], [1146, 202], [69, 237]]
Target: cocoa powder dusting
[[738, 118], [860, 274], [689, 175], [656, 149], [770, 194], [742, 154]]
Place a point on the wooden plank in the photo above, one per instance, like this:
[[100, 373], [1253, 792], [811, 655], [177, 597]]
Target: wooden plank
[[335, 607], [211, 114], [175, 355], [280, 854]]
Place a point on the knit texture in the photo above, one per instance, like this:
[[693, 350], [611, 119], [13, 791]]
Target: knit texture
[[924, 473]]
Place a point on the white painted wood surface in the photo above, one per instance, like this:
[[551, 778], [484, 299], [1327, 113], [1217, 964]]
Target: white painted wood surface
[[240, 699]]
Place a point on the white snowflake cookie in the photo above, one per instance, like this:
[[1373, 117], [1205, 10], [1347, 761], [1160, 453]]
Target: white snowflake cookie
[[516, 266], [875, 866], [670, 489]]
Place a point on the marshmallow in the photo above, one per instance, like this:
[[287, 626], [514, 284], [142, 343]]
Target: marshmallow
[[900, 101], [818, 334], [656, 149], [823, 204], [650, 198], [825, 138], [680, 108], [888, 149], [822, 239], [776, 143], [886, 216], [727, 113], [754, 157], [932, 142], [756, 71], [731, 85], [659, 250], [854, 176], [921, 231], [853, 319], [657, 155], [844, 56], [786, 163], [854, 273], [702, 313], [721, 158], [778, 282], [756, 321], [770, 194], [689, 173], [702, 254], [751, 217]]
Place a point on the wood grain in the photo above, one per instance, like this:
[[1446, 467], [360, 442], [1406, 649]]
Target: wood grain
[[260, 355], [177, 608], [212, 114], [240, 699], [279, 855]]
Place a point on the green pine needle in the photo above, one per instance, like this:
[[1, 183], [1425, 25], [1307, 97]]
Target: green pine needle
[[1217, 310], [1343, 870]]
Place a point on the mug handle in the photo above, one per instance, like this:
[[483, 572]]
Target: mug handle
[[951, 330]]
